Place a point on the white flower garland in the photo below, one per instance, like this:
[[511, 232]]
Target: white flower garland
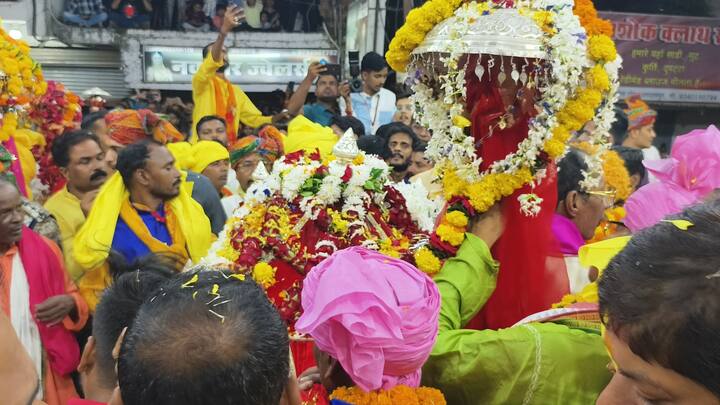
[[287, 179], [422, 210]]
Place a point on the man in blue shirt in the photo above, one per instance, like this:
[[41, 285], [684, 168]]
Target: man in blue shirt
[[327, 92], [149, 173]]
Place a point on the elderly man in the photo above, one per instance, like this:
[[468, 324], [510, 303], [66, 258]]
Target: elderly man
[[40, 299], [578, 213]]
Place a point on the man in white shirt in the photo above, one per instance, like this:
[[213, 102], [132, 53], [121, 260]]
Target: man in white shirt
[[641, 128], [375, 105]]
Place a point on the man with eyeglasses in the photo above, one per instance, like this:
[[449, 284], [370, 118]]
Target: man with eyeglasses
[[245, 155], [578, 213]]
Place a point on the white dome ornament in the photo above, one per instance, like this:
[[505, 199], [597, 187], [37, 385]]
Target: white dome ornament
[[346, 148], [260, 173]]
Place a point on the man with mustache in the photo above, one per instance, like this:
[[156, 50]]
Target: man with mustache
[[82, 161], [245, 155], [213, 94], [400, 140], [328, 90]]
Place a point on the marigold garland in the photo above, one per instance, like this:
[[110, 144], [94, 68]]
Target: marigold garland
[[426, 261], [616, 175], [589, 294], [306, 209], [585, 10], [457, 219], [59, 110], [418, 23], [23, 81], [608, 227], [400, 394]]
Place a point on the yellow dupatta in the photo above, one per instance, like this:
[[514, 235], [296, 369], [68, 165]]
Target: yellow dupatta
[[94, 240]]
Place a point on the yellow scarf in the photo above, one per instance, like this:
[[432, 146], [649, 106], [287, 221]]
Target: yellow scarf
[[177, 250], [94, 240]]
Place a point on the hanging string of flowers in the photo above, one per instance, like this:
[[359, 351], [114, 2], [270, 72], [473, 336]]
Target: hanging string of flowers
[[582, 87], [21, 80], [57, 111]]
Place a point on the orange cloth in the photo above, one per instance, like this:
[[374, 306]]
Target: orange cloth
[[57, 389], [226, 105], [129, 126]]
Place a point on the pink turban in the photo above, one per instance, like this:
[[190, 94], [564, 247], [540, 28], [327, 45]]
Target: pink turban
[[376, 315], [689, 175]]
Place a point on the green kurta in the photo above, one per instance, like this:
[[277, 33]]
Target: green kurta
[[537, 363]]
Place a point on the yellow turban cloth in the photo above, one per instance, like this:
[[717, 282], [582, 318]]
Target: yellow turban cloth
[[182, 152], [94, 240], [306, 135], [206, 152], [25, 140], [599, 254]]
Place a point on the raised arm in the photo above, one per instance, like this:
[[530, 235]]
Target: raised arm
[[297, 101], [234, 15], [214, 59]]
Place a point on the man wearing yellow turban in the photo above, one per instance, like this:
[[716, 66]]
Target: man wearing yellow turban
[[212, 160]]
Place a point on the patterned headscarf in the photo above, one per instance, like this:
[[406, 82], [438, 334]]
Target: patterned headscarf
[[268, 144], [376, 315], [639, 113], [129, 126]]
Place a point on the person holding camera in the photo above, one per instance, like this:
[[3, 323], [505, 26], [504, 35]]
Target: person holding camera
[[373, 105], [328, 90]]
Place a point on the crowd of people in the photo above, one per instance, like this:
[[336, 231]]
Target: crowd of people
[[111, 294], [194, 15]]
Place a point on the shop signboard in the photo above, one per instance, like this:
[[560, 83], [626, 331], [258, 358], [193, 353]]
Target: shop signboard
[[177, 65], [668, 59]]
